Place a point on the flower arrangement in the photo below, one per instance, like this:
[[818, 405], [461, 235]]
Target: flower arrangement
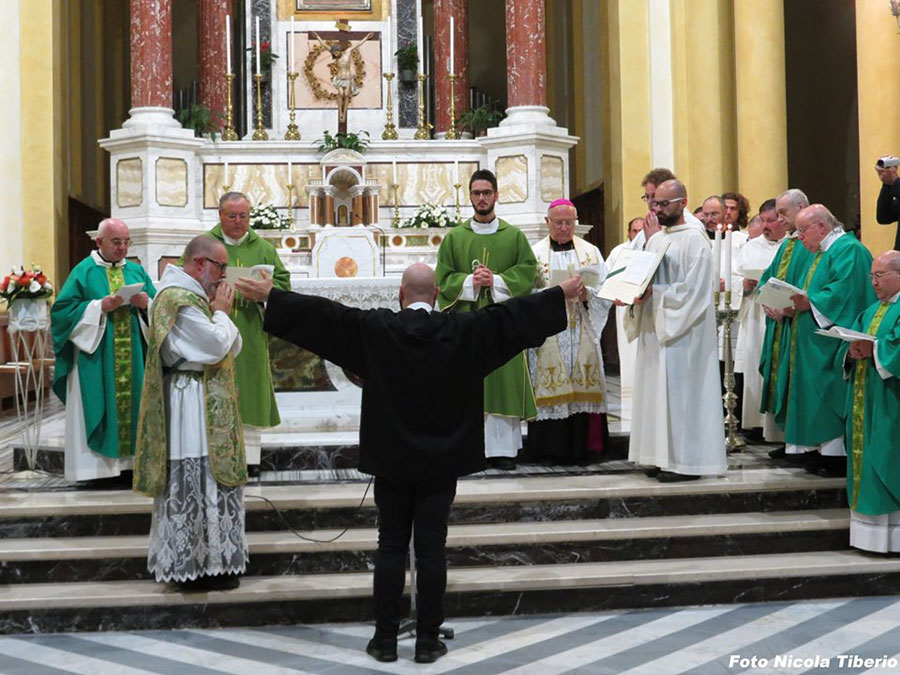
[[266, 56], [22, 283], [267, 218], [430, 215]]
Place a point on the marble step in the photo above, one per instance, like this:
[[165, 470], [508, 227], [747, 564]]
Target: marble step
[[130, 605], [273, 553], [479, 500]]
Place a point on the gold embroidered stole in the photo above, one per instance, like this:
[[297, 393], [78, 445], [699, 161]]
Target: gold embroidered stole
[[780, 273], [121, 323], [224, 437], [859, 404]]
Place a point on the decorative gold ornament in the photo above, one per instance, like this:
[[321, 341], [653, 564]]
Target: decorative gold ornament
[[293, 133], [452, 133], [259, 132], [314, 83], [229, 133], [390, 131], [423, 129]]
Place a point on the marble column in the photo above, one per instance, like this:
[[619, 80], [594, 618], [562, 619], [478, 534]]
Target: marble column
[[328, 216], [356, 210], [211, 58], [151, 63], [315, 206], [526, 63], [372, 205], [443, 10]]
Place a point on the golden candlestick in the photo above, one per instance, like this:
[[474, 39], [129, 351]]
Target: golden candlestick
[[293, 134], [396, 221], [390, 131], [290, 189], [423, 130], [259, 132], [228, 133], [452, 133], [456, 187]]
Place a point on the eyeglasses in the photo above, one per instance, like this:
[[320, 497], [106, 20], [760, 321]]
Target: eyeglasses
[[563, 223], [662, 203], [881, 275], [237, 216], [120, 242], [481, 193], [222, 266]]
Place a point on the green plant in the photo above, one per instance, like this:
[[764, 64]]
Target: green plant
[[407, 57], [351, 141], [478, 120], [266, 56], [201, 119]]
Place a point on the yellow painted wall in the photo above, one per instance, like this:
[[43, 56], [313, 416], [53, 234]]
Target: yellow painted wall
[[11, 231], [879, 111]]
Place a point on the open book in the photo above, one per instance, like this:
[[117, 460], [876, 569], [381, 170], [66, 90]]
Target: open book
[[129, 291], [845, 334], [232, 274], [777, 294], [590, 276], [631, 275]]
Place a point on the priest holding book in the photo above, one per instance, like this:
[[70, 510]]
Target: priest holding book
[[873, 411], [567, 370]]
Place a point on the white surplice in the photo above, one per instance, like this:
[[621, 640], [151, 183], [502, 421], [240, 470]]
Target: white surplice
[[677, 421], [584, 324], [757, 254], [82, 463], [194, 507], [627, 350]]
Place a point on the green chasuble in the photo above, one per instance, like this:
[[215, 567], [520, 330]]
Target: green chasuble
[[507, 253], [111, 378], [873, 416], [838, 285], [224, 439], [790, 264], [256, 395]]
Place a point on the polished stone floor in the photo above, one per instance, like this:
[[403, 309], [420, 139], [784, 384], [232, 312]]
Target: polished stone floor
[[820, 636]]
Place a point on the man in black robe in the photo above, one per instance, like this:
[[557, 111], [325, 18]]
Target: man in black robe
[[421, 425]]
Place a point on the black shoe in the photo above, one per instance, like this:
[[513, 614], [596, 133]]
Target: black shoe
[[652, 472], [833, 467], [383, 650], [121, 482], [502, 463], [223, 582], [778, 453], [672, 477], [429, 651], [802, 457], [813, 464]]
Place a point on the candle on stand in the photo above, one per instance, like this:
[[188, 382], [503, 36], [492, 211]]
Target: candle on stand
[[388, 37], [727, 264], [422, 50], [394, 169], [228, 43], [258, 60], [452, 50], [225, 179], [290, 170], [290, 49], [717, 258]]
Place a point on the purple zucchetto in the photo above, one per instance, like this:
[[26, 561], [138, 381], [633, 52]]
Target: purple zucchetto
[[561, 202]]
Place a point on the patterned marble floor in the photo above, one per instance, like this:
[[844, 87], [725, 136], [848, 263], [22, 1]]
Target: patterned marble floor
[[802, 637]]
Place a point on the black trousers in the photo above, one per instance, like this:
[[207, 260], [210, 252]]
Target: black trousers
[[405, 507]]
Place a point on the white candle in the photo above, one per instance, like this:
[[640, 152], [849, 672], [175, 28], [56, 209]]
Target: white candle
[[387, 44], [258, 60], [456, 166], [228, 43], [422, 48], [225, 181], [394, 168], [717, 258], [290, 170], [452, 47], [727, 264], [291, 48], [323, 173]]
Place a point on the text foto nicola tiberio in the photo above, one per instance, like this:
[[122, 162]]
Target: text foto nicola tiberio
[[817, 661]]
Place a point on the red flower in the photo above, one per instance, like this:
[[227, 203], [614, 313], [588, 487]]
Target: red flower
[[4, 284]]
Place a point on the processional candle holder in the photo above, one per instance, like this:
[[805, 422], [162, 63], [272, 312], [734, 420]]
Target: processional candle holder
[[259, 131], [423, 129], [290, 189], [725, 317], [396, 221], [229, 133], [456, 187], [452, 133], [390, 131], [293, 133]]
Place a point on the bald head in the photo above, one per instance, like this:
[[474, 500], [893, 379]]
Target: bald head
[[113, 239], [672, 189], [418, 285]]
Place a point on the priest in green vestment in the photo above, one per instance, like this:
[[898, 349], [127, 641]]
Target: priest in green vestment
[[873, 415], [96, 324], [790, 264], [256, 394], [480, 262], [836, 289]]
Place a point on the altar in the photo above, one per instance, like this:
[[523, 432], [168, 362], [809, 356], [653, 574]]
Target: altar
[[344, 203]]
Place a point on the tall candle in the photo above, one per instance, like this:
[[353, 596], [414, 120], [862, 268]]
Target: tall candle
[[717, 258], [225, 181], [228, 43], [422, 50], [727, 265], [394, 168], [290, 170], [258, 60], [452, 47], [456, 166], [388, 37], [291, 48]]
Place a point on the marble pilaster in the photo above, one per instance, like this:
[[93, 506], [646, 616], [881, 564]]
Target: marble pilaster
[[443, 10], [211, 58], [526, 63], [407, 101], [151, 64]]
